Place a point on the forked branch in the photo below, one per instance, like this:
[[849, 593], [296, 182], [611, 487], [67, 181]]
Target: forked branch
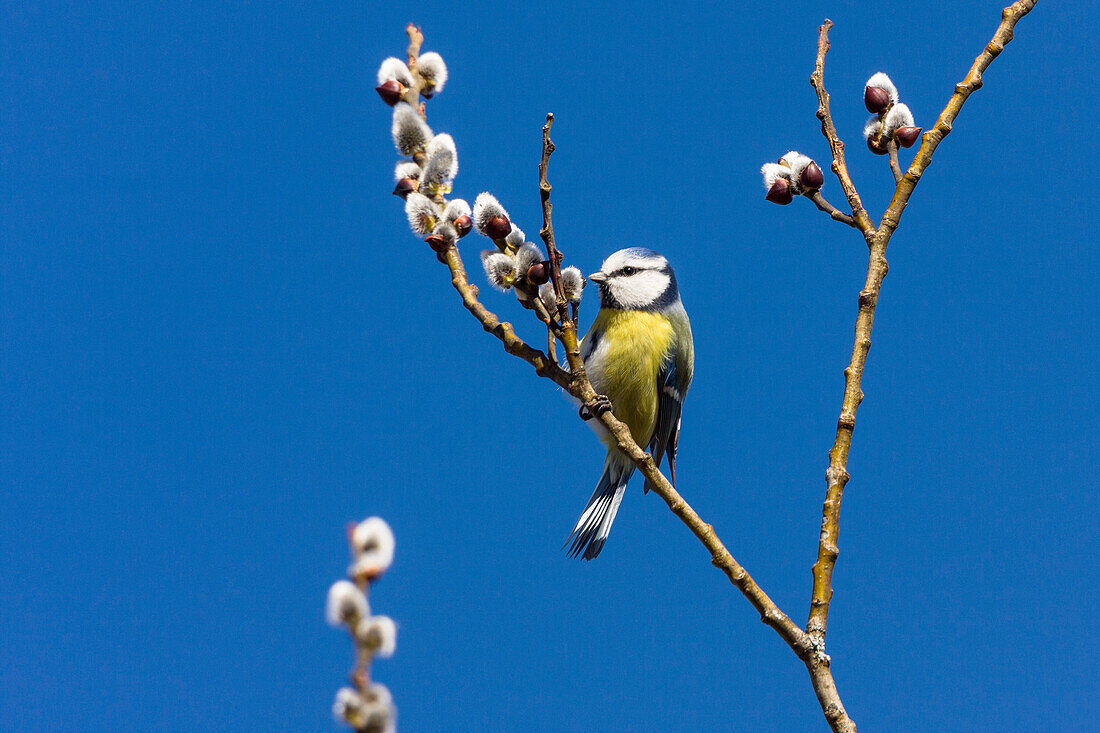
[[878, 239], [560, 318]]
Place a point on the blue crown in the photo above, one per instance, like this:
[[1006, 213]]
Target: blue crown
[[643, 252]]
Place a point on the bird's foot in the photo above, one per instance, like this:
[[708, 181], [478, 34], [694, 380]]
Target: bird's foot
[[599, 406]]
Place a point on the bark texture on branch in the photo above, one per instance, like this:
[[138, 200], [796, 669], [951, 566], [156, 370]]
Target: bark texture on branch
[[808, 643], [828, 129], [836, 475]]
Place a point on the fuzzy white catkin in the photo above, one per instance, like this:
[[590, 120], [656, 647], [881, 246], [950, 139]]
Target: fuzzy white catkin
[[455, 209], [882, 81], [797, 162], [526, 256], [410, 131], [772, 172], [394, 68], [898, 116], [348, 705], [380, 694], [421, 213], [793, 158], [450, 235], [374, 537], [439, 171], [379, 713], [486, 207], [572, 282], [548, 296], [516, 237], [500, 269], [872, 127], [379, 633], [442, 141], [369, 712], [406, 169], [345, 604], [433, 69], [372, 712]]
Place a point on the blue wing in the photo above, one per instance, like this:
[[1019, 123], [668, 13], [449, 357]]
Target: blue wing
[[666, 434]]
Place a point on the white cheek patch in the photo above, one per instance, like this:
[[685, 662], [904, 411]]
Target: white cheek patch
[[640, 289]]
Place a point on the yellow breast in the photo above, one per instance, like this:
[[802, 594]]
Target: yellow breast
[[633, 345]]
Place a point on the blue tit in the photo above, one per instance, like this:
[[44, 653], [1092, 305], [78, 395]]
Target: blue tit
[[639, 354]]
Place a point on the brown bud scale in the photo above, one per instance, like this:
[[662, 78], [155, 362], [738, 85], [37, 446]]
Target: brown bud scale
[[463, 225], [436, 242], [780, 192], [906, 136], [811, 178], [404, 187], [876, 99], [497, 227], [539, 273], [390, 91]]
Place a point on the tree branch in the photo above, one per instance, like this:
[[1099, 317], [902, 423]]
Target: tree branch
[[877, 267], [547, 230], [837, 474], [720, 556], [513, 344], [412, 94], [581, 388], [828, 129], [808, 644], [932, 138], [895, 166], [834, 212]]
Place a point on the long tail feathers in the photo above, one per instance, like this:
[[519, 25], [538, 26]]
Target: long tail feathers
[[592, 528]]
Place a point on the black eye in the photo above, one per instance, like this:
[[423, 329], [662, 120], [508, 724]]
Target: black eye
[[628, 271]]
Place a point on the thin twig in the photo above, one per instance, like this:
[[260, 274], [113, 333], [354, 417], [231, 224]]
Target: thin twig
[[895, 166], [809, 645], [932, 138], [547, 230], [834, 212], [575, 381], [360, 675], [577, 384], [837, 475], [534, 303], [568, 331], [581, 388], [412, 54], [828, 129], [416, 38], [513, 344]]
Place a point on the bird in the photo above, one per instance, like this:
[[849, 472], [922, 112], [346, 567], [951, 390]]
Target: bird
[[639, 354]]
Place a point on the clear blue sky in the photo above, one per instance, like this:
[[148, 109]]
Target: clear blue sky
[[221, 343]]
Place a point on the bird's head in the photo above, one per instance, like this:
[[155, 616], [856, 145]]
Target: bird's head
[[636, 279]]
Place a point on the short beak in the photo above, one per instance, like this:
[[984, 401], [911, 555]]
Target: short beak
[[598, 277]]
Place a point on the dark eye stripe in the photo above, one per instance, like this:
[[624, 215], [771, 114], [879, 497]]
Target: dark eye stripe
[[631, 270]]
